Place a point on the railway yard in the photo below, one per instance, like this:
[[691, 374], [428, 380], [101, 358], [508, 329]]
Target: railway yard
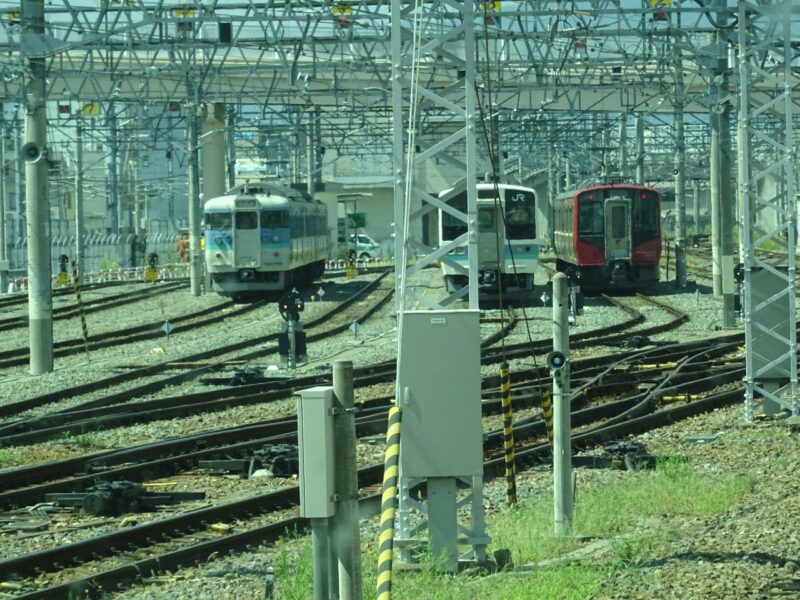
[[148, 407]]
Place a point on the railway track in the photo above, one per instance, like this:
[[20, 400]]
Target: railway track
[[149, 331], [210, 360], [21, 298], [595, 422], [99, 304], [114, 410]]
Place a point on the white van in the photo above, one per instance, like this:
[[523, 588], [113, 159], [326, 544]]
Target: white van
[[365, 246]]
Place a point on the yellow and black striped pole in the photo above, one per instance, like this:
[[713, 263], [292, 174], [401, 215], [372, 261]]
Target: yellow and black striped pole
[[547, 413], [76, 286], [508, 434], [388, 505]]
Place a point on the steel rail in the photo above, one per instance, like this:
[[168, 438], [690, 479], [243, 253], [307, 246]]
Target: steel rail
[[13, 408], [145, 534]]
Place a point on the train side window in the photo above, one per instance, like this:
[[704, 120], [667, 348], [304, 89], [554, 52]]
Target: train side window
[[246, 220], [274, 218], [218, 220]]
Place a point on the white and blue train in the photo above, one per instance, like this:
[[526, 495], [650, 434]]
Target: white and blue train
[[508, 249], [262, 238]]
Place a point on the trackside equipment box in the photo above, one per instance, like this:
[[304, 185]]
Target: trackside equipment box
[[440, 389], [315, 442]]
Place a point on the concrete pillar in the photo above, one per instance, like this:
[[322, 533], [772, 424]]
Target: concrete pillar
[[40, 303], [213, 150], [79, 224]]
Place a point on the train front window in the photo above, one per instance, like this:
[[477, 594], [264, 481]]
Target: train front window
[[216, 220], [590, 213], [618, 221], [246, 220], [273, 219], [646, 214], [452, 226], [486, 220], [520, 214]]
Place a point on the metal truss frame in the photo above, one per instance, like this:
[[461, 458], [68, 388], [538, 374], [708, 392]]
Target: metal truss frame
[[769, 211], [417, 40]]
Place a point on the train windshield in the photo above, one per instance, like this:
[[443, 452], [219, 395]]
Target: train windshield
[[646, 214], [246, 220], [520, 214], [274, 218], [452, 227], [486, 220], [218, 220], [590, 213]]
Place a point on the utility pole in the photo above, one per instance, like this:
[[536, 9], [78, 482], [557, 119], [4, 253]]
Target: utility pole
[[3, 207], [680, 173], [195, 266], [114, 207], [79, 230], [721, 196], [639, 149], [40, 302]]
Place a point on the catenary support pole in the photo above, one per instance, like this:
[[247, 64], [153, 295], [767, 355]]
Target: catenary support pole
[[640, 149], [3, 209], [562, 450], [195, 264], [346, 523], [679, 172], [623, 145], [114, 205], [231, 146], [79, 228], [40, 302]]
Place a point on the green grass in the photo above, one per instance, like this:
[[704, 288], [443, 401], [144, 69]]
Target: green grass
[[11, 458], [83, 440], [610, 512]]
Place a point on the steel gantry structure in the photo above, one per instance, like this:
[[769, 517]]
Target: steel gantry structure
[[646, 90]]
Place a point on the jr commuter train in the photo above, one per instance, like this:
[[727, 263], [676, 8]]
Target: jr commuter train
[[263, 238], [508, 250], [609, 236]]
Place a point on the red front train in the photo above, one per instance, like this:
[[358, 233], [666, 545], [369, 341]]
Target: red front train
[[610, 235]]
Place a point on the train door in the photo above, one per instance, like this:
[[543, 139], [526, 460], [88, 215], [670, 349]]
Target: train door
[[487, 237], [617, 229], [246, 239]]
